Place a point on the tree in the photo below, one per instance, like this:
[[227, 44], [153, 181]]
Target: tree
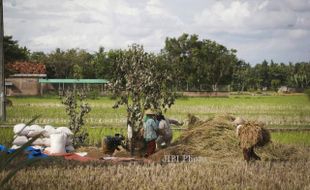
[[301, 75], [241, 76], [220, 62], [38, 57], [198, 62], [183, 54], [104, 63], [275, 83], [141, 82], [13, 52], [60, 64]]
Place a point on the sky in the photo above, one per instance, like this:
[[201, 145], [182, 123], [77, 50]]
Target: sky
[[257, 29]]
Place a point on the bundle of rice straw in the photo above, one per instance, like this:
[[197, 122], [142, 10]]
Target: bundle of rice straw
[[253, 134]]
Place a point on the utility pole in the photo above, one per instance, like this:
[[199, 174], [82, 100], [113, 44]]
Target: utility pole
[[2, 79]]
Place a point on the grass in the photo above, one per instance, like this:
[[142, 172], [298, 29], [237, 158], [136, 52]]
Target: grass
[[292, 137], [276, 111]]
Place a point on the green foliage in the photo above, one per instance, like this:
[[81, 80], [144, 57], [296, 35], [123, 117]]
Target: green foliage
[[241, 76], [93, 94], [197, 62], [68, 64], [76, 109], [275, 84], [194, 65], [142, 81], [13, 52]]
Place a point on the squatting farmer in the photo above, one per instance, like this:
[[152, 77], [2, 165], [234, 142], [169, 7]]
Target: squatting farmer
[[150, 128], [110, 144]]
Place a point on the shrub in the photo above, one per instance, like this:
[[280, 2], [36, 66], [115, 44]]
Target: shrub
[[76, 108]]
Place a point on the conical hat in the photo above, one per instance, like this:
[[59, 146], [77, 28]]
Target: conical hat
[[149, 112]]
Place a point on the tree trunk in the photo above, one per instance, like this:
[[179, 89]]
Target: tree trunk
[[132, 146]]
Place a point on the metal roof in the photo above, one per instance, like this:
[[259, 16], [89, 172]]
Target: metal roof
[[28, 75], [74, 81]]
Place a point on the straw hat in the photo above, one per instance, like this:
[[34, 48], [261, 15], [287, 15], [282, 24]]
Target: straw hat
[[238, 121], [149, 112]]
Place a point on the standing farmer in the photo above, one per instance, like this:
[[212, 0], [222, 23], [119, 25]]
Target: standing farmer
[[165, 132], [150, 127]]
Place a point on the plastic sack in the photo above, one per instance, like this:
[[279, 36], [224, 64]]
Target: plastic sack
[[58, 143], [15, 147], [21, 129], [35, 130], [48, 130], [38, 142], [65, 130], [46, 141], [69, 141], [20, 140]]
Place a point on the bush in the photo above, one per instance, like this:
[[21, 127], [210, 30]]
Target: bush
[[93, 94], [76, 108]]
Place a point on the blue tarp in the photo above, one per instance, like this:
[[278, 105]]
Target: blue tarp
[[30, 151]]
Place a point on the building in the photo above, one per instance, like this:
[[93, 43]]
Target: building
[[25, 80]]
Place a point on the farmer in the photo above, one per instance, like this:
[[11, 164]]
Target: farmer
[[150, 128], [165, 132], [110, 144]]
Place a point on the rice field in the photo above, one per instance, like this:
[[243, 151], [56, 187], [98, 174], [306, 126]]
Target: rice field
[[275, 111], [203, 173]]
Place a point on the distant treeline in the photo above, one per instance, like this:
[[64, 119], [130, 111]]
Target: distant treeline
[[196, 65]]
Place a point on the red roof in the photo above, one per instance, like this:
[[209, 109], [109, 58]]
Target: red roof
[[27, 68]]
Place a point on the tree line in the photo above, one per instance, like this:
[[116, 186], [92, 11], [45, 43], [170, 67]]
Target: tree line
[[194, 64]]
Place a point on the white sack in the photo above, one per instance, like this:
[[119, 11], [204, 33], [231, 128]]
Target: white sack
[[48, 149], [15, 147], [46, 141], [65, 130], [21, 130], [35, 130], [58, 143], [48, 130], [69, 140], [20, 140], [38, 142]]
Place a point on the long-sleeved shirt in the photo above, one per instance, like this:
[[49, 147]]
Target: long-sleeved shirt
[[164, 127], [150, 128]]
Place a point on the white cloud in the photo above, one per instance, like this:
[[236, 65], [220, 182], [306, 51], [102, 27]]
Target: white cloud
[[257, 29], [220, 17]]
